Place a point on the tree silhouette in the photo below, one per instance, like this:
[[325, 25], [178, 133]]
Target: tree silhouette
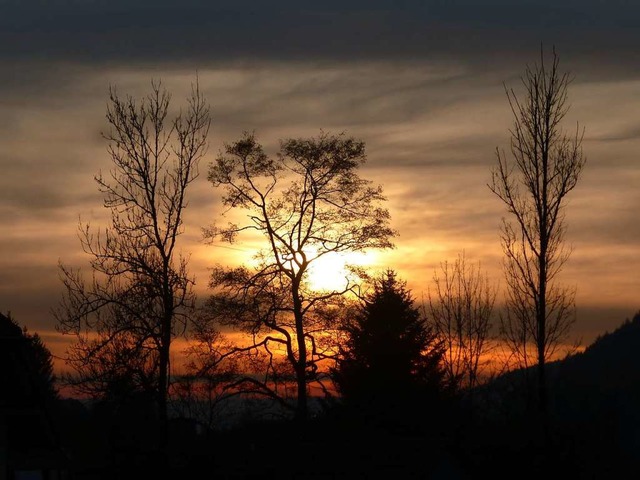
[[391, 359], [208, 381], [461, 309], [27, 366], [546, 164], [29, 403], [306, 203], [140, 293]]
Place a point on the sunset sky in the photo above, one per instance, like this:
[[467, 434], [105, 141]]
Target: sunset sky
[[420, 82]]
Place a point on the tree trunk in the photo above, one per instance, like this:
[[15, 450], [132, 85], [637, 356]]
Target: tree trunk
[[301, 366], [163, 380]]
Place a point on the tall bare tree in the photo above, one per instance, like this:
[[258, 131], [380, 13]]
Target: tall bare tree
[[306, 203], [140, 294], [545, 166], [461, 309]]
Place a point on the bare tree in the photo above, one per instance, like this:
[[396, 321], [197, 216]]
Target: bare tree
[[306, 203], [202, 392], [461, 309], [140, 294], [545, 166]]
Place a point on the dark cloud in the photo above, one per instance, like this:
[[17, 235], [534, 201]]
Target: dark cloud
[[632, 133], [199, 32]]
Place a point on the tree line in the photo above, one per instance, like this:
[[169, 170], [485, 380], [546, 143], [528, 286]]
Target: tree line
[[365, 344]]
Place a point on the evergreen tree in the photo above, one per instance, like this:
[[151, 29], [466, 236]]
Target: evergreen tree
[[27, 364], [391, 363]]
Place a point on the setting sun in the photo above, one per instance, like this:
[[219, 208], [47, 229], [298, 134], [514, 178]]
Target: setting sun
[[330, 272]]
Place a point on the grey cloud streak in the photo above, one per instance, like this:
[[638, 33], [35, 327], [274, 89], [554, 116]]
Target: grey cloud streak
[[200, 32]]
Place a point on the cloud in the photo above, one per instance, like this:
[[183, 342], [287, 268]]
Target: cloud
[[200, 32]]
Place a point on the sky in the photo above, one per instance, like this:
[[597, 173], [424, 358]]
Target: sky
[[420, 82]]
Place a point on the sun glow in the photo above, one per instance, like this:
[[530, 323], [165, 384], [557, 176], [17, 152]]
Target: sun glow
[[330, 271]]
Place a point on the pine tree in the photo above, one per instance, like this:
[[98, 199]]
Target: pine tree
[[27, 365], [391, 363]]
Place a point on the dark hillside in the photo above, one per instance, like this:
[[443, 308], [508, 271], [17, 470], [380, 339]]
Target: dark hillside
[[600, 387], [594, 418], [611, 362]]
